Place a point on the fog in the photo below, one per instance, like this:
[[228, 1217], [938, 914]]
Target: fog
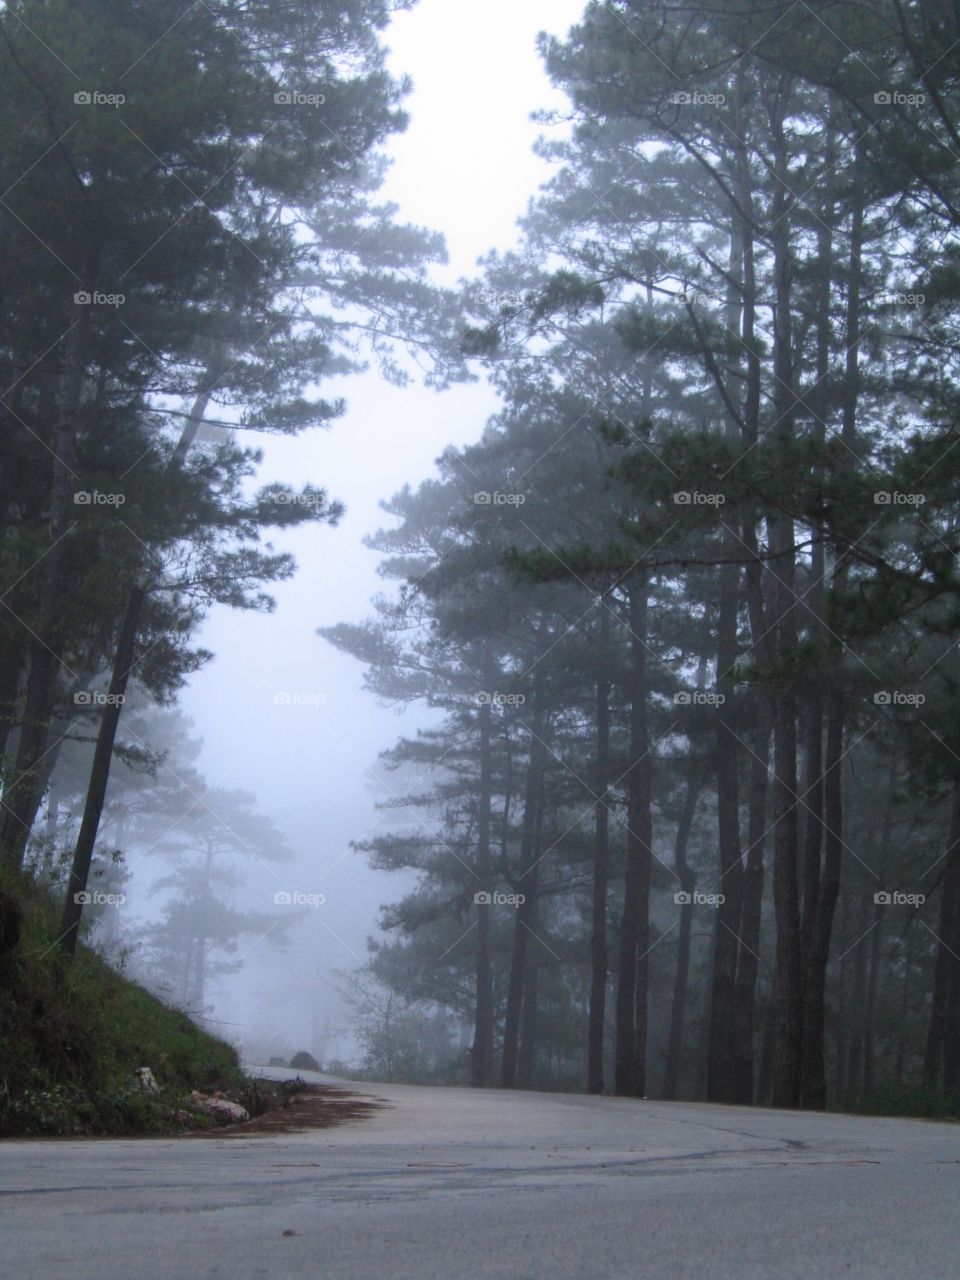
[[480, 637], [465, 166], [629, 660]]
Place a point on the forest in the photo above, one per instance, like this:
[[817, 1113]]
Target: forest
[[685, 822]]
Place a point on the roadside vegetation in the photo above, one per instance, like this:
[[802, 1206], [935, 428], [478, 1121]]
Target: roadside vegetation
[[73, 1036]]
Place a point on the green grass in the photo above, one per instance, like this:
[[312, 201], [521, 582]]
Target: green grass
[[73, 1033], [918, 1102]]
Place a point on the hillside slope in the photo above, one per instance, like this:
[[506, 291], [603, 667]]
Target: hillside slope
[[72, 1036]]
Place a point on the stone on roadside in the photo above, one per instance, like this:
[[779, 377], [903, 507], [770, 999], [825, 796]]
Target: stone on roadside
[[148, 1082], [221, 1109]]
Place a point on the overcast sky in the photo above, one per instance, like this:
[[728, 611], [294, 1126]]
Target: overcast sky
[[464, 167]]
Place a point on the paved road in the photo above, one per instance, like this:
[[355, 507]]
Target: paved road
[[448, 1183]]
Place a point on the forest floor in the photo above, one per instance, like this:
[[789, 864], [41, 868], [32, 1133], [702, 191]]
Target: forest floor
[[295, 1109]]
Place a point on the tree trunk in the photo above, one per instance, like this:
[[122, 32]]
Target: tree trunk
[[526, 884], [751, 904], [812, 805], [482, 1051], [530, 908], [818, 406], [786, 1089], [946, 975], [526, 1058], [860, 955], [786, 896], [905, 1006], [720, 1043], [843, 1002], [768, 1043], [601, 872], [876, 937], [951, 1038], [100, 773], [826, 887], [58, 729], [122, 663], [721, 1030], [870, 1009], [23, 793], [814, 1085], [681, 978], [12, 662], [751, 910], [631, 1044]]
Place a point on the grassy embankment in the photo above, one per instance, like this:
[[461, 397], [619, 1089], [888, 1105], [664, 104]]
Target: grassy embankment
[[72, 1035]]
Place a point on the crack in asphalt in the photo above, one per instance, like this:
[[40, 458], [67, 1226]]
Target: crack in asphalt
[[466, 1175]]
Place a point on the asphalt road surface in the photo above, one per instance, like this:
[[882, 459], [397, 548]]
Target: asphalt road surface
[[448, 1183]]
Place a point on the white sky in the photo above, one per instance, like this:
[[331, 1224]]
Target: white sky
[[464, 167]]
